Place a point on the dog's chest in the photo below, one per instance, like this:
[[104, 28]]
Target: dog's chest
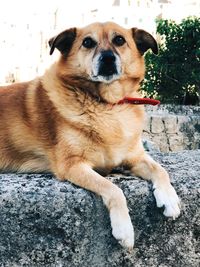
[[104, 137], [114, 132]]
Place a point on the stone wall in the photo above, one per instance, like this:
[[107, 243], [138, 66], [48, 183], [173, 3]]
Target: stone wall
[[48, 223], [173, 128]]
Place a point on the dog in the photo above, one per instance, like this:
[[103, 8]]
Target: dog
[[69, 121]]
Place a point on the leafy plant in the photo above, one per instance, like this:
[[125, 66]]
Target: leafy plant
[[174, 75]]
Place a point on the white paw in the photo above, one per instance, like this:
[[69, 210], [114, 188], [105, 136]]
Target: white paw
[[122, 229], [166, 197]]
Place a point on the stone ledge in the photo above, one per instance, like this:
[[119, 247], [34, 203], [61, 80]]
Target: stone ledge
[[45, 222]]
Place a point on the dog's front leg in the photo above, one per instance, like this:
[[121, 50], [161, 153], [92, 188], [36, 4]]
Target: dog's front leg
[[145, 167], [83, 175]]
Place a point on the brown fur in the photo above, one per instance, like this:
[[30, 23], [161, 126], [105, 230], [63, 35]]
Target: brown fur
[[65, 123]]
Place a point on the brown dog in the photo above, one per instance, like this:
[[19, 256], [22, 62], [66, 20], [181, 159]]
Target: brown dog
[[68, 121]]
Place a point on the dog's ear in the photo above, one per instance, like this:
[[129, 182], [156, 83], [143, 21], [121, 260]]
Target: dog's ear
[[63, 41], [144, 41]]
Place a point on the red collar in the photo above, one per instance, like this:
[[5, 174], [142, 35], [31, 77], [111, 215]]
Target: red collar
[[139, 101]]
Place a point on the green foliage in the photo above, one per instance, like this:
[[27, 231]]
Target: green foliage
[[174, 75]]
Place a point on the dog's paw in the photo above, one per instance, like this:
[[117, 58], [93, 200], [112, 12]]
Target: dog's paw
[[166, 197], [122, 229]]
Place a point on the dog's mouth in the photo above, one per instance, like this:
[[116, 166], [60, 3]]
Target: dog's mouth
[[106, 67], [105, 78]]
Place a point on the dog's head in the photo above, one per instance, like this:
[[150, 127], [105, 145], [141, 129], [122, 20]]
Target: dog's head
[[103, 52]]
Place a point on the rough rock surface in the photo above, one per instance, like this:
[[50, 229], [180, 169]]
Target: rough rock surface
[[173, 128], [45, 222]]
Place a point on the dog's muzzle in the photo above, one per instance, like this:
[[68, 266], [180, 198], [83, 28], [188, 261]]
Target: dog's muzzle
[[106, 67]]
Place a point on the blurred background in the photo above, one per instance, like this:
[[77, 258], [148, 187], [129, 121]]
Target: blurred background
[[26, 26]]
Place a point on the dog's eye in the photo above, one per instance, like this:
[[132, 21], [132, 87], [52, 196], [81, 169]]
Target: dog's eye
[[119, 40], [88, 42]]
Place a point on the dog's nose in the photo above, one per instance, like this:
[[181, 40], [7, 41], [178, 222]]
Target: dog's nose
[[107, 63], [107, 57]]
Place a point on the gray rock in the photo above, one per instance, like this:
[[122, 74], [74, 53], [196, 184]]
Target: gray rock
[[45, 222], [150, 146]]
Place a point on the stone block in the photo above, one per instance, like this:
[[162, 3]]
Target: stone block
[[157, 125], [170, 124], [47, 223], [176, 142], [161, 141]]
